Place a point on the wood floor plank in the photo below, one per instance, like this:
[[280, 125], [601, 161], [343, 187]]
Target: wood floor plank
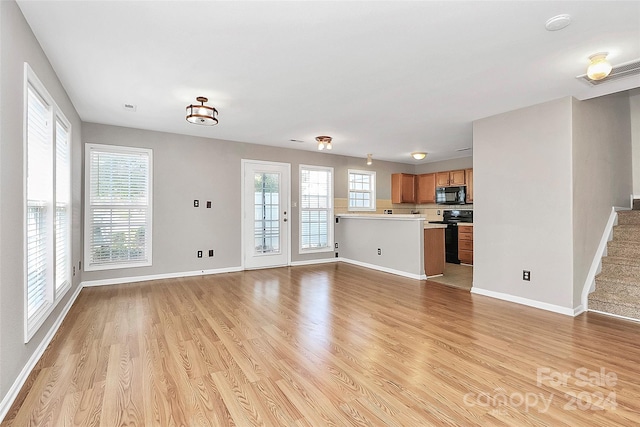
[[329, 344]]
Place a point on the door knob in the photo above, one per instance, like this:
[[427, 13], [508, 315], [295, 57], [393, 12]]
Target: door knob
[[285, 220]]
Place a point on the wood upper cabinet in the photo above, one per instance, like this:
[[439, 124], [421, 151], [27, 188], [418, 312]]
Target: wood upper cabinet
[[403, 188], [468, 177], [426, 188], [448, 178]]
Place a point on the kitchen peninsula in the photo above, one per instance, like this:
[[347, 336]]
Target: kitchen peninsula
[[398, 244]]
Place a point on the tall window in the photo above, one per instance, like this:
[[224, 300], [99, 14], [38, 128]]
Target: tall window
[[316, 209], [118, 205], [362, 190], [48, 204]]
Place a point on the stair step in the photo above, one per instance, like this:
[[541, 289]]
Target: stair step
[[620, 261], [623, 271], [613, 289], [627, 233], [629, 217], [622, 249], [620, 310]]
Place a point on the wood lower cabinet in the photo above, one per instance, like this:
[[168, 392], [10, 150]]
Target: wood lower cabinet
[[426, 188], [465, 244], [433, 251], [468, 178], [449, 178], [403, 188]]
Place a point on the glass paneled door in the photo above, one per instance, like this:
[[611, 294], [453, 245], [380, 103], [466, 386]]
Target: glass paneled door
[[265, 214]]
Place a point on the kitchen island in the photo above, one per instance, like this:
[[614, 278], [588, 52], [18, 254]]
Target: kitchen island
[[391, 243]]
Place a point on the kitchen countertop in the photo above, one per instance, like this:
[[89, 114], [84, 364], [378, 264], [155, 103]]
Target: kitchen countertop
[[465, 224], [427, 225], [401, 217]]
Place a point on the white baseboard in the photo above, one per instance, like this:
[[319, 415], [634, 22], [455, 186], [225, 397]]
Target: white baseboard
[[615, 315], [529, 302], [134, 279], [314, 261], [11, 395], [384, 269]]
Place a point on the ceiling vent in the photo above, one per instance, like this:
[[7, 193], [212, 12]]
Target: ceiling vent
[[618, 72]]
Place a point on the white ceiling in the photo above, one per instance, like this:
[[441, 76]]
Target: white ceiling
[[386, 78]]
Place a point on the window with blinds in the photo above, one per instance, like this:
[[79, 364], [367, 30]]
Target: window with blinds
[[316, 209], [48, 204], [362, 190], [118, 207]]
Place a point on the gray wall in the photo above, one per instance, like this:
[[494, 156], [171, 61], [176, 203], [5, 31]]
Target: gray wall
[[602, 175], [188, 168], [634, 101], [522, 203], [446, 165], [18, 45]]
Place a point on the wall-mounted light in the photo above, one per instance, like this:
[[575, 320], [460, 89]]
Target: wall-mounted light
[[324, 142], [418, 155], [202, 114], [599, 67], [369, 160]]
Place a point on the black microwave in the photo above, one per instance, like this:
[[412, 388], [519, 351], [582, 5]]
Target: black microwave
[[451, 195]]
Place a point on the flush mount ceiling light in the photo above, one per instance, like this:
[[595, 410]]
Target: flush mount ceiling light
[[599, 67], [369, 159], [324, 142], [202, 114], [418, 155]]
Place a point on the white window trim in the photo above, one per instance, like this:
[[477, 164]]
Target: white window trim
[[330, 226], [372, 175], [87, 206], [54, 296]]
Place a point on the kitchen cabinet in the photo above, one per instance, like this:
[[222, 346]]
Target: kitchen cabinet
[[403, 188], [433, 251], [465, 244], [449, 178], [468, 178], [426, 188]]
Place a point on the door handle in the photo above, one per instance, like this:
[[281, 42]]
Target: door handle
[[285, 220]]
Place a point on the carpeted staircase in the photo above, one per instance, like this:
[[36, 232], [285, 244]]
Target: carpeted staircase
[[618, 284]]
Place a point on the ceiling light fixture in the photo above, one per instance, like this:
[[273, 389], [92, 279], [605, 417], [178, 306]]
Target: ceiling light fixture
[[324, 142], [202, 114], [599, 67], [369, 160], [418, 155]]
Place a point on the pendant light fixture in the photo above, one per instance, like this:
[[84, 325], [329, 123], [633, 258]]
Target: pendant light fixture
[[418, 155], [324, 142], [202, 114], [599, 67], [369, 159]]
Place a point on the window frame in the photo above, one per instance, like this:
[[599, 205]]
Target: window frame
[[53, 294], [371, 191], [329, 210], [120, 149]]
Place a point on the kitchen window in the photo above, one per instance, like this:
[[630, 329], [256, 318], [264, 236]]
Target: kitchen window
[[316, 209], [48, 204], [118, 186], [362, 190]]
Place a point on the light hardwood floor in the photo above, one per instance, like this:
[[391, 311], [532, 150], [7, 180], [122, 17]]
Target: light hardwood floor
[[330, 344]]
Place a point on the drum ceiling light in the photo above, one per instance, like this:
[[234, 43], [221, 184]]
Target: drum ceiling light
[[202, 114]]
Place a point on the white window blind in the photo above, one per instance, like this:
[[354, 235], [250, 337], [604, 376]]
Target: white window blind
[[48, 204], [316, 208], [63, 205], [39, 201], [118, 221], [362, 190]]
